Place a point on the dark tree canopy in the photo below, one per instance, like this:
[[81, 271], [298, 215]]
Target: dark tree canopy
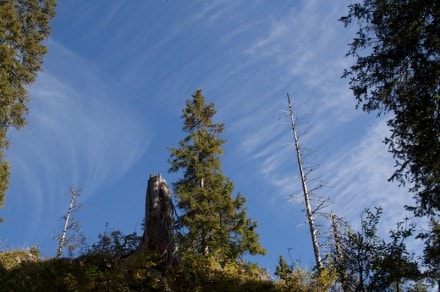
[[397, 70], [431, 257], [24, 25], [213, 222]]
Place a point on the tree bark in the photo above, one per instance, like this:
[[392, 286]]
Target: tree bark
[[309, 212], [74, 193], [158, 228]]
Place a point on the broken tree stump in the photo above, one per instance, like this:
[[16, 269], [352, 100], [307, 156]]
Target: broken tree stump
[[158, 228]]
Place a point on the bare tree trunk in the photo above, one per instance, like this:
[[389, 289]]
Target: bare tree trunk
[[339, 256], [73, 196], [309, 212], [158, 229]]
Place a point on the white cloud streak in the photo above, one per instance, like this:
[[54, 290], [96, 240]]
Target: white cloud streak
[[76, 136], [358, 176], [301, 51]]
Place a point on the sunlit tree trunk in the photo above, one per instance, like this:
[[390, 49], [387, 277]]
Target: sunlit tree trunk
[[309, 213], [74, 193]]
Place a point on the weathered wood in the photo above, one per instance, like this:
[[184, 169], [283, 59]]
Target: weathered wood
[[158, 229], [310, 216], [69, 223]]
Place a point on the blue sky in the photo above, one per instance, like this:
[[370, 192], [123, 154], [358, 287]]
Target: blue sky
[[109, 102]]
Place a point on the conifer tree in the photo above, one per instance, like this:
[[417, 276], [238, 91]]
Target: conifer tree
[[24, 25], [396, 70], [213, 222]]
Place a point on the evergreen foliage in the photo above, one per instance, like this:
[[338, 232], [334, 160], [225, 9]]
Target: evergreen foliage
[[213, 222], [397, 70], [431, 256], [24, 25]]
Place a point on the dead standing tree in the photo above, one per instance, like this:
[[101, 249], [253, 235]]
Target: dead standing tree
[[338, 250], [71, 243], [308, 207], [158, 228]]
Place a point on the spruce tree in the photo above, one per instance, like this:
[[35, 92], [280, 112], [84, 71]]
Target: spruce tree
[[396, 70], [213, 222], [24, 25]]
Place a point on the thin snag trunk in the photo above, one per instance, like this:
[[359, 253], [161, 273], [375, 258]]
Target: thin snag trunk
[[309, 213], [74, 193]]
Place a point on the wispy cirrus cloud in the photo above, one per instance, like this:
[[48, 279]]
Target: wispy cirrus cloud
[[78, 134], [358, 175], [300, 49]]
